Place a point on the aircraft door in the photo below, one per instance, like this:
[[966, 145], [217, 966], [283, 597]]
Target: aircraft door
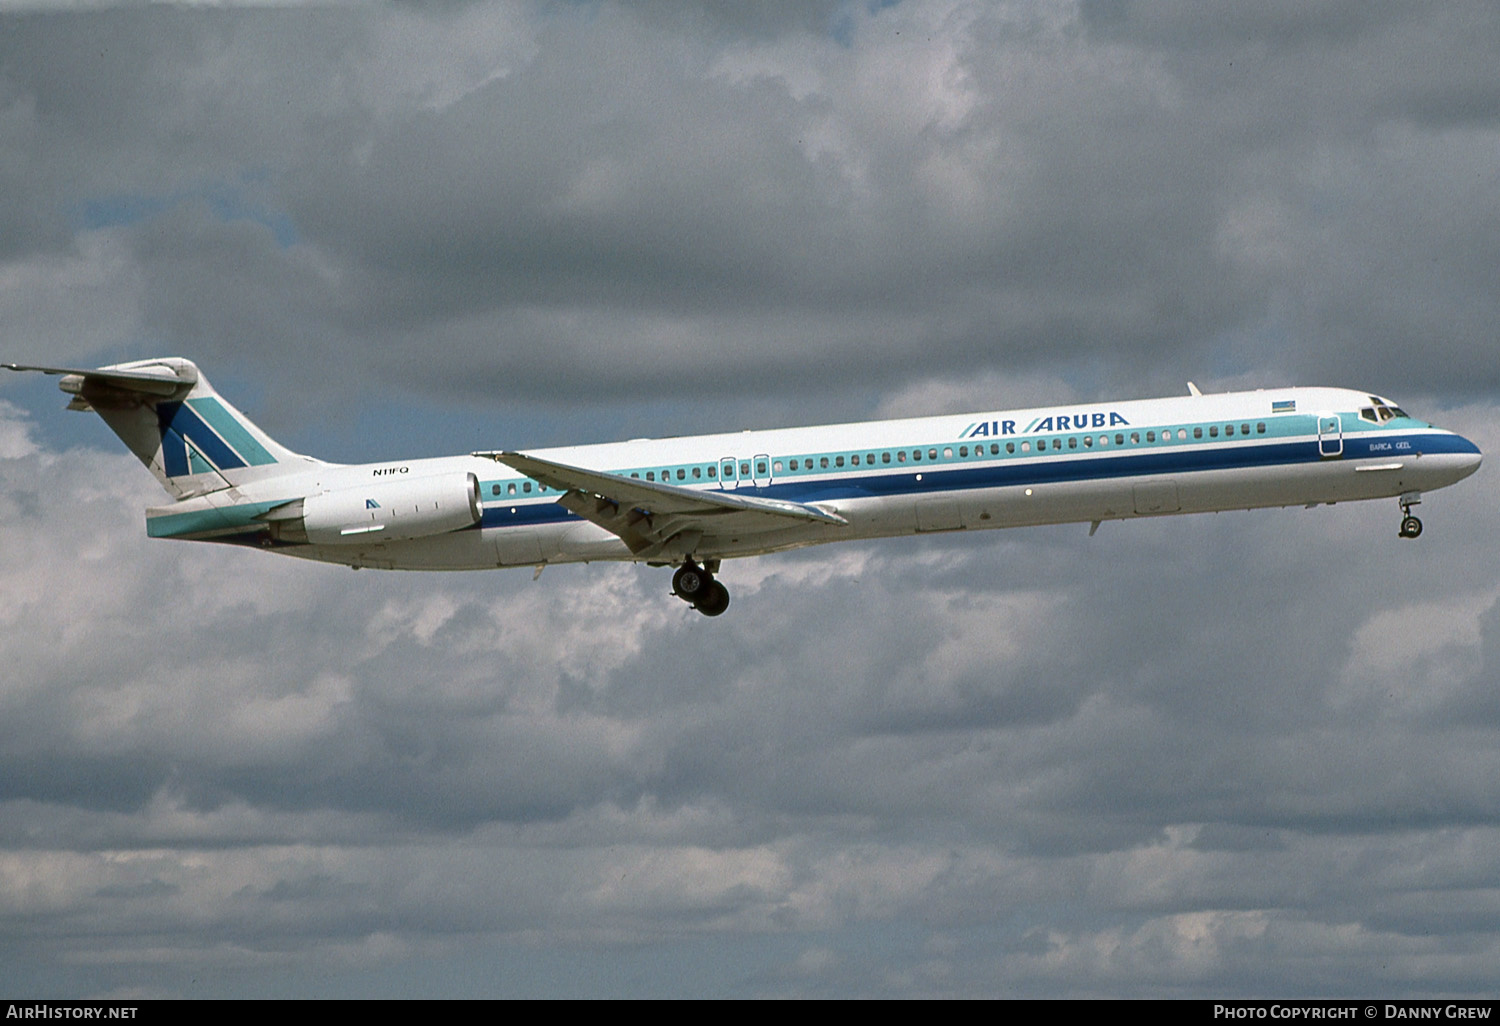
[[760, 469], [1330, 435]]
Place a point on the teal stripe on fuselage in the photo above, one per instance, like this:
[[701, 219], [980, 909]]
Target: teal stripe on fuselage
[[1148, 459], [944, 454]]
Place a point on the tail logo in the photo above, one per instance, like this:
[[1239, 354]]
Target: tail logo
[[201, 436]]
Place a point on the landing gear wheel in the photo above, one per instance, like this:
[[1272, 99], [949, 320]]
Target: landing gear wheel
[[691, 582], [1411, 527], [714, 601]]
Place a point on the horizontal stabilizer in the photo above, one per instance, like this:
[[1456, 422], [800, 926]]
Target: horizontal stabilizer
[[160, 380], [167, 413]]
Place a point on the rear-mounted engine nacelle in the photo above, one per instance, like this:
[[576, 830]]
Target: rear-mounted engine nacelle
[[388, 511]]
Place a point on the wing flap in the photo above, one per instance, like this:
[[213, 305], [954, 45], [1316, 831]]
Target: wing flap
[[656, 497], [649, 515]]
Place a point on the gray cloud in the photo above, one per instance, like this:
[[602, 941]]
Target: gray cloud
[[1238, 754], [563, 198]]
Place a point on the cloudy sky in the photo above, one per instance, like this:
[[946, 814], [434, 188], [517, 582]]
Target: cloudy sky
[[1233, 755]]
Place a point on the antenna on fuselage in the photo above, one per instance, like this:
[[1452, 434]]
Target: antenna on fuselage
[[1193, 389]]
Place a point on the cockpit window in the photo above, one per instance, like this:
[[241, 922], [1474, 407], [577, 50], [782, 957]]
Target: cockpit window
[[1368, 413]]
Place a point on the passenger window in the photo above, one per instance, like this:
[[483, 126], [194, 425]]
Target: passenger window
[[713, 472], [1072, 443], [510, 489], [932, 454], [760, 466], [1150, 436], [963, 450], [1088, 441], [901, 456], [1135, 438], [838, 461], [1120, 439], [776, 466], [681, 474], [885, 457], [1244, 429], [916, 454], [1213, 431], [947, 454], [744, 470], [823, 462], [697, 473], [995, 448], [1260, 428], [1182, 434], [494, 489], [854, 460], [1197, 432], [526, 487], [1010, 447], [870, 458], [794, 464]]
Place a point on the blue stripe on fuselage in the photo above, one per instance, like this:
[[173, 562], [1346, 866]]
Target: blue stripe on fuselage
[[1038, 469]]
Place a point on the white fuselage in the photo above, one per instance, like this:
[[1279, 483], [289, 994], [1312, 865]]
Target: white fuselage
[[1079, 463]]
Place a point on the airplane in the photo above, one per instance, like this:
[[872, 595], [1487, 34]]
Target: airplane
[[692, 502]]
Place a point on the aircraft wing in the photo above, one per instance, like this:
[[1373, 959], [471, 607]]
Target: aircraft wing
[[648, 516]]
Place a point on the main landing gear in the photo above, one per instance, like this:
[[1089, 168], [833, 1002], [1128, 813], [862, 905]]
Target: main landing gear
[[696, 586], [1411, 527]]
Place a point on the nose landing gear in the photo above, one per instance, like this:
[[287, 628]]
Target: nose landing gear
[[697, 587], [1411, 527]]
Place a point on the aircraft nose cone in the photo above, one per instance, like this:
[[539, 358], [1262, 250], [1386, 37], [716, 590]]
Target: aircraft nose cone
[[1468, 456]]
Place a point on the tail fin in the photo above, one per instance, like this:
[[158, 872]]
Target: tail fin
[[168, 414]]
